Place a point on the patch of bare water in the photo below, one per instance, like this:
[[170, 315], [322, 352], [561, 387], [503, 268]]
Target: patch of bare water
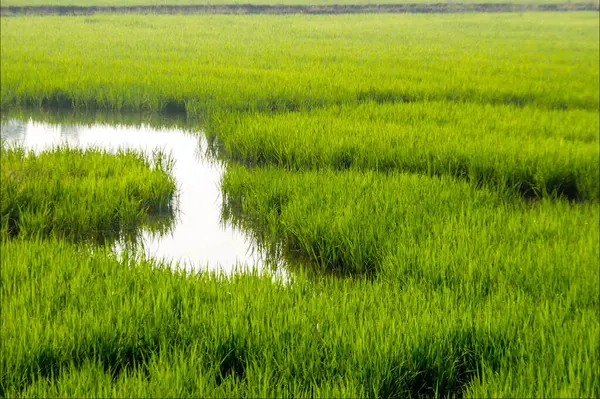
[[198, 240]]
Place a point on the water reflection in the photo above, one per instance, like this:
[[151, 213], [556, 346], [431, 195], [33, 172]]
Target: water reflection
[[198, 239], [14, 130], [276, 251]]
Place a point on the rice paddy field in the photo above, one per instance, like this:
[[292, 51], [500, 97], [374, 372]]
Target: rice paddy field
[[430, 183]]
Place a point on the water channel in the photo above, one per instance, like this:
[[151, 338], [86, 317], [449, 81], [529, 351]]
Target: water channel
[[199, 239]]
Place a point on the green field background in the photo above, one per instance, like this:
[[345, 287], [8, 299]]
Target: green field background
[[432, 182]]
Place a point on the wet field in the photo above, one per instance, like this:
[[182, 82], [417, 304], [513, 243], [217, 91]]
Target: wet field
[[435, 176], [198, 237]]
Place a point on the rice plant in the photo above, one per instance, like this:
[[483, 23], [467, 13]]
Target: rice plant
[[82, 194], [429, 181]]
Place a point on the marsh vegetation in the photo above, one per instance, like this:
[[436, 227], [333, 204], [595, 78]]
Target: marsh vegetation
[[431, 183]]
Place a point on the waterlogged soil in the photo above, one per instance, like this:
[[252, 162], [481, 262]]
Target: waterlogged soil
[[297, 9], [198, 239]]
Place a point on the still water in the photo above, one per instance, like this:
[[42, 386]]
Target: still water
[[198, 240]]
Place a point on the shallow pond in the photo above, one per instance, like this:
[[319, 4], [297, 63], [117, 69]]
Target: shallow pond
[[198, 239]]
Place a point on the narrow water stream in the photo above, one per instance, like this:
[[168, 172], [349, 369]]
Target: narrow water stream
[[198, 240]]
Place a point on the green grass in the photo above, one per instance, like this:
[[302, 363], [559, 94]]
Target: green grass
[[82, 194], [431, 180], [531, 151], [279, 63], [160, 332], [407, 227]]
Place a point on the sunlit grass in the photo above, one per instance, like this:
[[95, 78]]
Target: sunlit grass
[[430, 180], [530, 151], [415, 226], [279, 63], [81, 194], [94, 326]]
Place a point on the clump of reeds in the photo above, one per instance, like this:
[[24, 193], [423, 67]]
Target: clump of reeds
[[81, 194]]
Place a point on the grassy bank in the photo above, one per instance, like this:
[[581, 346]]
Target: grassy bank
[[82, 194], [527, 150], [442, 230]]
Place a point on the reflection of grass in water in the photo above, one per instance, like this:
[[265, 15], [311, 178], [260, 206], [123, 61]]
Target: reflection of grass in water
[[91, 118], [131, 243], [270, 246], [84, 194], [17, 118], [162, 223]]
